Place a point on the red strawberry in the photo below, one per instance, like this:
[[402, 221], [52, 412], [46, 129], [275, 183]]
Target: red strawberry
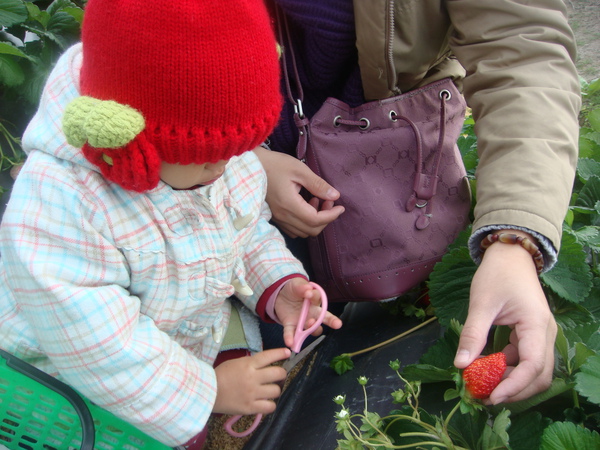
[[484, 374]]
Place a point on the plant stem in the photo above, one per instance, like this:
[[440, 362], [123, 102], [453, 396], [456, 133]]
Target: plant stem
[[400, 336], [415, 420], [416, 444], [450, 414]]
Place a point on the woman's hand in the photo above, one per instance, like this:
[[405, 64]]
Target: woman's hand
[[289, 304], [249, 385], [506, 291], [293, 214]]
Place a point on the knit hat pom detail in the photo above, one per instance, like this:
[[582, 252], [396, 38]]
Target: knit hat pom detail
[[135, 167], [102, 124]]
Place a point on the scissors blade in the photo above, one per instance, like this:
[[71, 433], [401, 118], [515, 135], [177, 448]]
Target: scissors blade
[[293, 360]]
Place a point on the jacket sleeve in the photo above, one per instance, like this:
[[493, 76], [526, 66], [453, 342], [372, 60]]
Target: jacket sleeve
[[72, 287], [267, 260], [523, 89]]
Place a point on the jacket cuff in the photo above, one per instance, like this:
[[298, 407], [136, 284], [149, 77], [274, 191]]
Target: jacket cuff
[[195, 443], [261, 306], [548, 251]]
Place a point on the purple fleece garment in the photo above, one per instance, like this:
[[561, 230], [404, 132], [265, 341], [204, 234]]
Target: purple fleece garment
[[324, 43]]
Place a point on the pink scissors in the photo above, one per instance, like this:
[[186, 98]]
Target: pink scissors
[[299, 337]]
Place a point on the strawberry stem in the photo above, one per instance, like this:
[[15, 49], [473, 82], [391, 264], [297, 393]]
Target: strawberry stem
[[395, 338]]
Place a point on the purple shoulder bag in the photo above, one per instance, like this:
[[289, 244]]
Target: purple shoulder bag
[[402, 182]]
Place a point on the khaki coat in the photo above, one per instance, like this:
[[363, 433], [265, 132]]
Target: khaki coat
[[514, 61]]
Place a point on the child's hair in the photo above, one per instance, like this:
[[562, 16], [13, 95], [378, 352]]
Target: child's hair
[[181, 82]]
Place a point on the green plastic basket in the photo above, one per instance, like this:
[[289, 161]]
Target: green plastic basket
[[38, 411]]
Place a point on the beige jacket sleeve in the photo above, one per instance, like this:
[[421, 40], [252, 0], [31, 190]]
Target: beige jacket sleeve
[[523, 88], [520, 82]]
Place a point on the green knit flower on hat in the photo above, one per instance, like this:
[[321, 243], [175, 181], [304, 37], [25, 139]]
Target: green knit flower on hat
[[101, 123]]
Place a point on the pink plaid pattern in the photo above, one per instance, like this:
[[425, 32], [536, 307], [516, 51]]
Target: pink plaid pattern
[[125, 295]]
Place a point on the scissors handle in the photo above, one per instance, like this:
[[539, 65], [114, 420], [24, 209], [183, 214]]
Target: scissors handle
[[233, 420], [301, 334]]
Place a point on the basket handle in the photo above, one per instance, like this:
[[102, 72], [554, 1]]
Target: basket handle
[[88, 431]]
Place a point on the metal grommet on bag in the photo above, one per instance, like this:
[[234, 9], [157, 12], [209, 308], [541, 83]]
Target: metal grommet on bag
[[393, 116], [445, 94], [366, 125], [335, 121]]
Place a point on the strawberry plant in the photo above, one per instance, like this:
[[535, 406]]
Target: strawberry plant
[[33, 34], [567, 415]]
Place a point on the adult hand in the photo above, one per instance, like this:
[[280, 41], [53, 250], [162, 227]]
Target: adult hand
[[506, 291], [293, 214], [248, 385], [289, 304]]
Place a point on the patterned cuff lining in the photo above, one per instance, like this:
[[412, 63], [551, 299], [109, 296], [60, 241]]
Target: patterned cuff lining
[[546, 247]]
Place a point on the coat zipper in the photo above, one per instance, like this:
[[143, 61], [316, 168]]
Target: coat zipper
[[392, 79]]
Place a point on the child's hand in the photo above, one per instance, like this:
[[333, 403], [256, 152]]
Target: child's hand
[[289, 304], [248, 385]]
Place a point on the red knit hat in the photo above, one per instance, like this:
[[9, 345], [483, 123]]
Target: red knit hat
[[194, 81]]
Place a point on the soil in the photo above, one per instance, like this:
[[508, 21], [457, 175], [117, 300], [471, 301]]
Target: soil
[[584, 17]]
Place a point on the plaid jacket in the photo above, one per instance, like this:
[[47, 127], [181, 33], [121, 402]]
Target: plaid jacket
[[125, 295]]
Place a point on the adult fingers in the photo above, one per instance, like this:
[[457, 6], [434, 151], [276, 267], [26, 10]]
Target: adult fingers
[[473, 336], [533, 373], [301, 219], [316, 185]]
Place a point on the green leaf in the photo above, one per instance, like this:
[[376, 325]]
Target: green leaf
[[496, 436], [8, 49], [592, 302], [558, 387], [441, 353], [589, 194], [342, 364], [589, 235], [11, 73], [561, 344], [58, 5], [449, 285], [594, 119], [587, 168], [501, 338], [586, 333], [593, 86], [525, 432], [12, 12], [570, 315], [589, 143], [582, 353], [35, 79], [61, 29], [466, 429], [570, 278], [567, 435], [76, 13], [426, 373], [451, 394], [587, 381]]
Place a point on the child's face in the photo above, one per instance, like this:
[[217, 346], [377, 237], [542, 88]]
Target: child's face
[[184, 177]]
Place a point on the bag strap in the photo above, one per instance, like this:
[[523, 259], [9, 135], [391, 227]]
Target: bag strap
[[300, 118]]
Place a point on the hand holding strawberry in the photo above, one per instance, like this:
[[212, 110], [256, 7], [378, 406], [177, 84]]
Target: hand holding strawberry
[[484, 374]]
